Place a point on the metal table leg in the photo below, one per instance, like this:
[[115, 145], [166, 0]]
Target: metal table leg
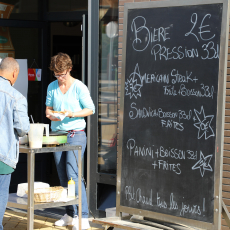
[[79, 189], [30, 179]]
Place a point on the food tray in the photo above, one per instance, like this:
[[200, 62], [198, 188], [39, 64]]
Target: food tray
[[47, 194]]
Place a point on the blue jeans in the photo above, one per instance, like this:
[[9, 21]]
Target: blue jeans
[[67, 167], [4, 194]]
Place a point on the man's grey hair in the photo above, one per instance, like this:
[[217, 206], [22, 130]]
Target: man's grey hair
[[9, 64]]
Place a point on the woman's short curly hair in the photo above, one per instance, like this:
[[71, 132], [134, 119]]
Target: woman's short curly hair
[[60, 63]]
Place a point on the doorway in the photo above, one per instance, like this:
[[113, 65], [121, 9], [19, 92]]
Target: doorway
[[38, 30], [65, 37]]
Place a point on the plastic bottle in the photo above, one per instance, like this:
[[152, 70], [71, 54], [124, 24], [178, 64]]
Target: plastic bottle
[[71, 189]]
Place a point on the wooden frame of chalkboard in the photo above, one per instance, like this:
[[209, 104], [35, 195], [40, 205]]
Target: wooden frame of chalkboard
[[172, 107]]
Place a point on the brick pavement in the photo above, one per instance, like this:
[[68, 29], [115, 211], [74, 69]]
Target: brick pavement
[[18, 220]]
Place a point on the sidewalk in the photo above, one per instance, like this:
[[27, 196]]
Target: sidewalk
[[18, 220]]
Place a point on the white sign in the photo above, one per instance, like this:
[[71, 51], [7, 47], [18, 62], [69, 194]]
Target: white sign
[[22, 82]]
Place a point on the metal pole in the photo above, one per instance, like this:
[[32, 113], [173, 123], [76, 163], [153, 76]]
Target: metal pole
[[92, 121], [30, 179], [79, 189], [110, 60]]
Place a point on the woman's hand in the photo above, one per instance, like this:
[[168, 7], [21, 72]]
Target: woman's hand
[[82, 113], [52, 118], [70, 113], [49, 114]]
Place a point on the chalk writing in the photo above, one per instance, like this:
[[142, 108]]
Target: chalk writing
[[165, 166], [144, 36], [139, 28], [150, 112], [180, 78], [203, 91], [137, 195], [172, 124], [170, 76], [203, 164], [136, 81], [161, 203], [203, 124], [159, 152], [194, 18], [133, 194], [131, 85], [187, 208], [173, 203]]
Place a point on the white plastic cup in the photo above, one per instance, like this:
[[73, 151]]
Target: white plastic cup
[[36, 134]]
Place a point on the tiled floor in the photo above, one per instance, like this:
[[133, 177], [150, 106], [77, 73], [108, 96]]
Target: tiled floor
[[18, 220]]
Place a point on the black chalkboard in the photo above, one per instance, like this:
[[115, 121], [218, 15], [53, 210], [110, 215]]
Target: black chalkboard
[[170, 110]]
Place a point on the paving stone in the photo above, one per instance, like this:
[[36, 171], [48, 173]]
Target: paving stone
[[20, 228], [5, 219], [10, 211], [22, 214], [21, 225], [93, 228], [11, 224], [50, 221], [46, 227], [40, 217], [18, 220], [8, 228], [57, 227], [37, 226], [15, 218]]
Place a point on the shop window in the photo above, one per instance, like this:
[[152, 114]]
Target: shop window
[[67, 5], [108, 66], [23, 43], [106, 196], [19, 9]]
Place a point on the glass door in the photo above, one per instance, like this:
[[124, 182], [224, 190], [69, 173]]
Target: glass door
[[103, 59], [35, 30], [24, 37]]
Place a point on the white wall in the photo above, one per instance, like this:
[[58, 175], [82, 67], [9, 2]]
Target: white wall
[[22, 82]]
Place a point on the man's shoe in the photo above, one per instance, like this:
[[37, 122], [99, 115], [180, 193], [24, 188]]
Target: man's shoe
[[84, 224], [66, 220]]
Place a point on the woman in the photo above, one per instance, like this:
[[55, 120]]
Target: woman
[[70, 95]]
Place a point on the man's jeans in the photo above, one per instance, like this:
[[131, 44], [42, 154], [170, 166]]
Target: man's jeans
[[4, 194], [67, 167]]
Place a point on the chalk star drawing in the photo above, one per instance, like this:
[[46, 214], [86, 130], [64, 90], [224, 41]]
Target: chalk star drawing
[[132, 88], [203, 124], [203, 164]]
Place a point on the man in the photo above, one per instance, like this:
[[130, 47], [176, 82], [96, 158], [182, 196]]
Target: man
[[14, 123]]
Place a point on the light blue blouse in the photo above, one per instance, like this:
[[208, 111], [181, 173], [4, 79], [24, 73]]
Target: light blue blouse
[[75, 99]]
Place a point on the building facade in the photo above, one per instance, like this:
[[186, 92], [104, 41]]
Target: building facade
[[91, 33], [35, 30], [226, 154]]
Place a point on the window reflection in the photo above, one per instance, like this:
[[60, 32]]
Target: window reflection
[[23, 43], [20, 9], [108, 66], [67, 5]]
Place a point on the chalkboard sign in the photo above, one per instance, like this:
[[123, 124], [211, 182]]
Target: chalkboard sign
[[172, 100]]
